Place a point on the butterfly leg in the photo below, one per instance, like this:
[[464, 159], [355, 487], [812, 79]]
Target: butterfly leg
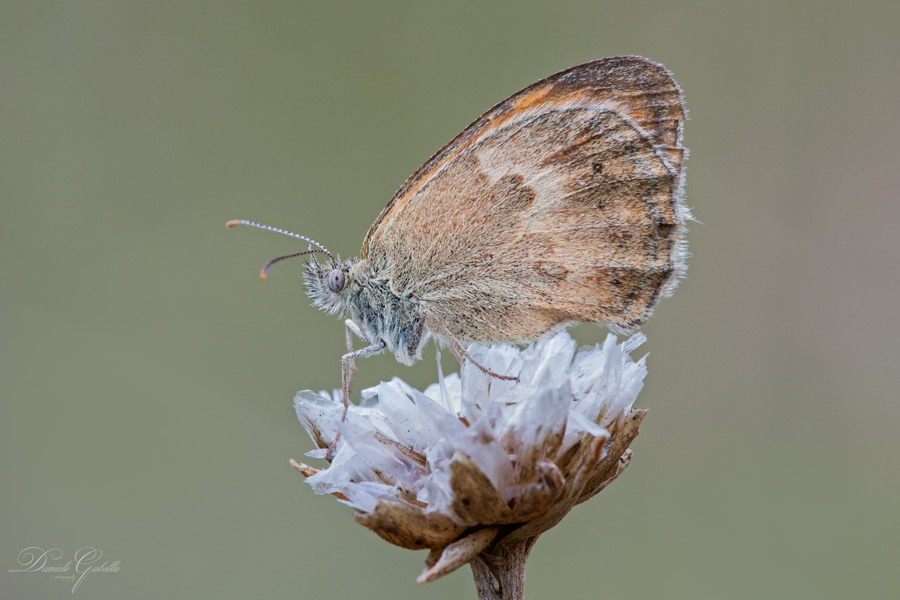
[[347, 365], [350, 329], [346, 379], [459, 352]]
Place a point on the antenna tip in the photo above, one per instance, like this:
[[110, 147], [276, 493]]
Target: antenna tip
[[262, 276], [233, 223]]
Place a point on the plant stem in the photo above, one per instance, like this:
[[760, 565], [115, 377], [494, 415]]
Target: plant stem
[[500, 572]]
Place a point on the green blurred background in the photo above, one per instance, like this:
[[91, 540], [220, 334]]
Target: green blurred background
[[147, 375]]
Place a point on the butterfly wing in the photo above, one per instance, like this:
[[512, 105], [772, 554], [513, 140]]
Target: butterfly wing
[[562, 203]]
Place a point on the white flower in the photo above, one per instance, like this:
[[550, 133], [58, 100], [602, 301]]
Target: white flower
[[474, 462]]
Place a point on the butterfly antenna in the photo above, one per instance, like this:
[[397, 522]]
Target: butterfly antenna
[[237, 222], [268, 265]]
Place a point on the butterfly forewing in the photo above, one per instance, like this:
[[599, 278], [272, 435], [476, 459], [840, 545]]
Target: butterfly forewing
[[560, 204]]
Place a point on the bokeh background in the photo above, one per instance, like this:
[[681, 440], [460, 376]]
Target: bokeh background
[[147, 375]]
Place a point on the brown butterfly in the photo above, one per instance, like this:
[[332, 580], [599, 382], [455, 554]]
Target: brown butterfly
[[561, 204]]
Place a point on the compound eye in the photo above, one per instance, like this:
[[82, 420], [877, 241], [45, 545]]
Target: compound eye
[[335, 280]]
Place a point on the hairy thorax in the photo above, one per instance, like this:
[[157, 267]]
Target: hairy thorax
[[381, 314]]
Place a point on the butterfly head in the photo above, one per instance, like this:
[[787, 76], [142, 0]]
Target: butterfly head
[[330, 285]]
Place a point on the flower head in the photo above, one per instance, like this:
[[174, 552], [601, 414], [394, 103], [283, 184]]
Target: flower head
[[473, 462]]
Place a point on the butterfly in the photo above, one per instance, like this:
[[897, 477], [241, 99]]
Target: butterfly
[[561, 204]]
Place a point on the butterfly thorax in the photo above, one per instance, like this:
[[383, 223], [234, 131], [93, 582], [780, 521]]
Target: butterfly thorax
[[368, 300]]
